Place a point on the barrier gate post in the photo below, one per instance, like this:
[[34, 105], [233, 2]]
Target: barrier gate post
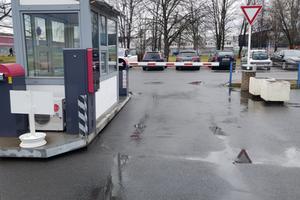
[[230, 75], [298, 80]]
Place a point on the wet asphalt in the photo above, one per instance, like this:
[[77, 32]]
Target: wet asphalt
[[176, 139]]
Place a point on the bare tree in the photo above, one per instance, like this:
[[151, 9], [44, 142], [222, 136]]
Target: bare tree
[[287, 13], [170, 17], [126, 23], [196, 22], [221, 15], [5, 9]]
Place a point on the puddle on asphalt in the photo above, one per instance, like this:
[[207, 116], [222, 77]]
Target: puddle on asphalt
[[293, 105], [196, 83], [289, 158], [153, 83]]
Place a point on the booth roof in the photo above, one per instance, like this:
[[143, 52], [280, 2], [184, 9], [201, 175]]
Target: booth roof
[[106, 5]]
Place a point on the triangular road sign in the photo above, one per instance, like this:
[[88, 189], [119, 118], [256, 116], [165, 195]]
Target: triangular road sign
[[251, 12], [243, 157]]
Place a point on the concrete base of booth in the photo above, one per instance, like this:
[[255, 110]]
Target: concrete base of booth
[[57, 142]]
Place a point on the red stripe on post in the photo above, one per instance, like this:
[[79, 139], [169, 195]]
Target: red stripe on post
[[90, 71]]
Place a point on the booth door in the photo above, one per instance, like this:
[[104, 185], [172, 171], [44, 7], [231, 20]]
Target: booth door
[[46, 36]]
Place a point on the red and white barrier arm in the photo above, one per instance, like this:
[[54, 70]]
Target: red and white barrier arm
[[174, 64]]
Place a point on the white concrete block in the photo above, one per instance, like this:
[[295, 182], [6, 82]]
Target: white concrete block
[[275, 90], [255, 84]]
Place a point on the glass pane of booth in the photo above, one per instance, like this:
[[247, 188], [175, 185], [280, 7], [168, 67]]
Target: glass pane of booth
[[103, 31], [46, 36], [103, 62], [95, 30], [112, 44]]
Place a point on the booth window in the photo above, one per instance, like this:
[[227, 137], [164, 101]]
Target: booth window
[[112, 45], [46, 36], [103, 44], [103, 31], [95, 30]]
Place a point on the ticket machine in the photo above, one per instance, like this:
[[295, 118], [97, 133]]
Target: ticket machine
[[12, 77], [82, 80]]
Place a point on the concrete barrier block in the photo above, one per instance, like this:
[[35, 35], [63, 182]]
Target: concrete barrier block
[[278, 91], [255, 84]]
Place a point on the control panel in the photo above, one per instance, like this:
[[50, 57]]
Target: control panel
[[96, 69]]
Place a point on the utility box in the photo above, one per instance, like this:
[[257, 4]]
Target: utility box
[[123, 79], [12, 77]]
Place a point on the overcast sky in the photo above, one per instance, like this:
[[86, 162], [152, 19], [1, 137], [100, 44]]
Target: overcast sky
[[235, 23]]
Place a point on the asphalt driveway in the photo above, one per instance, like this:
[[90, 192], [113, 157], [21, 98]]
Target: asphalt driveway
[[176, 139]]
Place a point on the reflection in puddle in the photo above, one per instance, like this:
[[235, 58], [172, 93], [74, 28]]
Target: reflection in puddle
[[217, 131], [117, 175], [139, 128], [293, 105], [153, 83], [195, 82]]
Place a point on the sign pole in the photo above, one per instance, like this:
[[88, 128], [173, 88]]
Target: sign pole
[[249, 46]]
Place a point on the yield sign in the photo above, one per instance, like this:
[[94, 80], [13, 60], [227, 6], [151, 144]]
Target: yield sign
[[251, 12]]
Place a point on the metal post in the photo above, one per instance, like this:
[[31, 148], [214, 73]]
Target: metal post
[[230, 76], [249, 46], [298, 80]]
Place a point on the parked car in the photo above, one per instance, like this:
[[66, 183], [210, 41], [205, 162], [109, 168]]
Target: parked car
[[259, 58], [224, 58], [127, 56], [286, 59], [153, 56], [188, 56]]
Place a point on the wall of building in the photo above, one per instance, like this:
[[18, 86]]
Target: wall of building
[[6, 42]]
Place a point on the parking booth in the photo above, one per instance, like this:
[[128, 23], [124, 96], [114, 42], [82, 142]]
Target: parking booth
[[67, 43]]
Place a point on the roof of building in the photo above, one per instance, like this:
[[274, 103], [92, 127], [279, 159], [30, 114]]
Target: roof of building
[[104, 4]]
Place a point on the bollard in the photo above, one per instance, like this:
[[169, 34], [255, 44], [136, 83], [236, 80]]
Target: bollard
[[230, 76], [298, 80]]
